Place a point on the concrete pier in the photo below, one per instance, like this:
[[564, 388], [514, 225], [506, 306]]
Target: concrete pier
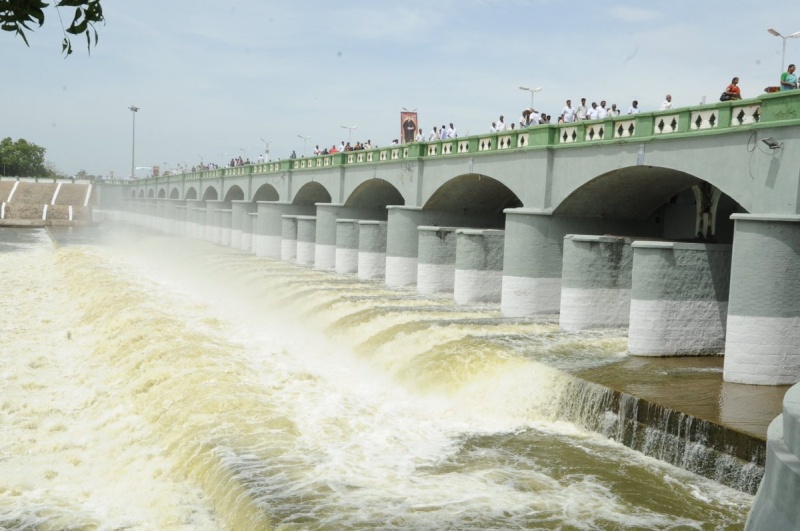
[[679, 298], [763, 342], [249, 220], [436, 265], [288, 238], [268, 232], [595, 282], [327, 215], [225, 220], [479, 266], [306, 238], [532, 272], [402, 244], [347, 232], [239, 211], [372, 250], [775, 506]]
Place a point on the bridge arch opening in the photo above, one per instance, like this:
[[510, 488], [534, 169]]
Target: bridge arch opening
[[174, 194], [210, 194], [191, 193], [375, 193], [162, 194], [476, 195], [234, 194], [141, 194], [133, 192], [266, 192], [311, 193], [675, 204], [151, 194]]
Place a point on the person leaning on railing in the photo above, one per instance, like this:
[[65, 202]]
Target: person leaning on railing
[[732, 92], [789, 79]]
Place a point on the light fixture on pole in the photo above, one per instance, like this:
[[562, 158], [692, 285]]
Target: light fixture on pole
[[266, 149], [794, 35], [532, 91], [305, 140], [134, 109], [350, 132], [244, 153]]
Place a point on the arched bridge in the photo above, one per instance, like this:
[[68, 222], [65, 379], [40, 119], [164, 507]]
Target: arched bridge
[[712, 192]]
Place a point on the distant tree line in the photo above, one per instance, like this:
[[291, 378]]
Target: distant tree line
[[22, 159]]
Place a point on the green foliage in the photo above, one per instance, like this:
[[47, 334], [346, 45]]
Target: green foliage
[[16, 16], [22, 159]]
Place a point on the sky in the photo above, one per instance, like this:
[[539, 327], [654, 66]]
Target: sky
[[217, 79]]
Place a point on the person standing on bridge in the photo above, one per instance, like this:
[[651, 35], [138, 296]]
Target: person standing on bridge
[[732, 92], [567, 113], [420, 136], [667, 103], [634, 108], [789, 79], [434, 134]]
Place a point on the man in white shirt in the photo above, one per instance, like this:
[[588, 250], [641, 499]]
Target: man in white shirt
[[667, 103], [602, 112], [582, 110], [568, 113], [613, 111], [634, 108], [500, 124], [420, 136], [594, 112], [434, 134], [451, 131]]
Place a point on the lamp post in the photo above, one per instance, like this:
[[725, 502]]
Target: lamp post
[[783, 53], [350, 132], [305, 140], [532, 91], [134, 109], [266, 149]]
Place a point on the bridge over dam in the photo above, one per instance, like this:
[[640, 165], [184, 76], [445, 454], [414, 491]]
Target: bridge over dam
[[681, 225]]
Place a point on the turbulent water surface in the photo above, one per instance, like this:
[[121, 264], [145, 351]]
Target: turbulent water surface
[[171, 384]]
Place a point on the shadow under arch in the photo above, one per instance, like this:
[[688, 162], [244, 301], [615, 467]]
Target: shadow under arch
[[210, 194], [151, 194], [133, 192], [234, 194], [174, 194], [473, 194], [266, 192], [311, 194], [191, 193], [375, 193], [686, 206], [162, 194], [141, 194]]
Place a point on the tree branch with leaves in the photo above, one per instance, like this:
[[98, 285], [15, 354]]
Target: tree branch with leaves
[[17, 16]]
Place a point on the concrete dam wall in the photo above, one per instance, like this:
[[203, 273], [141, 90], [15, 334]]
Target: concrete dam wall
[[45, 203]]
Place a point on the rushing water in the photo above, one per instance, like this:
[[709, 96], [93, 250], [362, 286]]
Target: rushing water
[[170, 384]]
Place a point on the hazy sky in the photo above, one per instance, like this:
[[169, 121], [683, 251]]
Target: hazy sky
[[213, 78]]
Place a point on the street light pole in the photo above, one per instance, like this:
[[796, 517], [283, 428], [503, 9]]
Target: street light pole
[[305, 139], [532, 91], [266, 149], [794, 35], [134, 109], [350, 131]]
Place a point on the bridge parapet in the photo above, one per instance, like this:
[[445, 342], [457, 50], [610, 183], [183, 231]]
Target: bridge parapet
[[769, 110]]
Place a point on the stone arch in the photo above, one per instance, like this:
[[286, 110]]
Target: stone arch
[[133, 192], [266, 192], [175, 194], [210, 194], [686, 206], [473, 194], [234, 193], [191, 193], [141, 193], [162, 193], [151, 193], [375, 193], [311, 194]]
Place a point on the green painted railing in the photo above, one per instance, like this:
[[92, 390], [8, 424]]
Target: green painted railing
[[778, 109]]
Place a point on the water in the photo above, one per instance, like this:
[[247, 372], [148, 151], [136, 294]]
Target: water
[[170, 384]]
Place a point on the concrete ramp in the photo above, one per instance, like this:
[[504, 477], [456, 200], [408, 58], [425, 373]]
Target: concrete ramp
[[45, 203]]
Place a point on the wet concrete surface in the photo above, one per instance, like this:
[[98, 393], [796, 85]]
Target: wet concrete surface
[[694, 386]]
